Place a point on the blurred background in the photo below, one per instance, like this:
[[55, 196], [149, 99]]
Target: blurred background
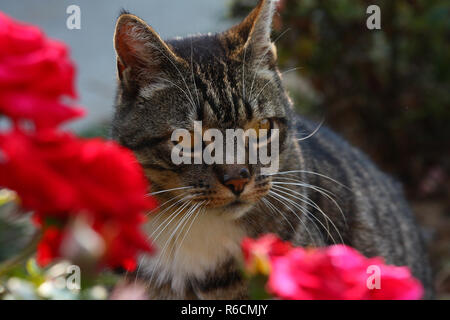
[[92, 46], [387, 91]]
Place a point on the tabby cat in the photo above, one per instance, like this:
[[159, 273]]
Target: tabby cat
[[324, 192]]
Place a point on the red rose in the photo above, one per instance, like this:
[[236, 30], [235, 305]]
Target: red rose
[[58, 174], [121, 243], [124, 245], [61, 176], [35, 74], [48, 247], [27, 166]]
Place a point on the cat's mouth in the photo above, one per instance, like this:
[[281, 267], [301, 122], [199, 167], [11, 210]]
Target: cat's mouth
[[232, 210], [231, 203], [235, 204]]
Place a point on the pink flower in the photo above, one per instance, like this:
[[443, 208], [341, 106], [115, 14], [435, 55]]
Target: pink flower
[[397, 284], [259, 252], [337, 273], [35, 74]]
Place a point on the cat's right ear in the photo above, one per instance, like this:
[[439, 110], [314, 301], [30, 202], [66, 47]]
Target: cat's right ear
[[141, 53]]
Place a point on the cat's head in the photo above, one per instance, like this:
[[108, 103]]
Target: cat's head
[[228, 80]]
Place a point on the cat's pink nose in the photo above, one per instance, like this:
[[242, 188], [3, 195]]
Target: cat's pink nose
[[236, 185], [236, 180]]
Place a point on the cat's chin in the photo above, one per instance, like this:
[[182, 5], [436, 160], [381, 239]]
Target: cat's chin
[[233, 211]]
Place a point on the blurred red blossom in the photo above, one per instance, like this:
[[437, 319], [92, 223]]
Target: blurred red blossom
[[35, 74], [49, 245], [70, 176], [259, 252], [61, 178], [337, 272]]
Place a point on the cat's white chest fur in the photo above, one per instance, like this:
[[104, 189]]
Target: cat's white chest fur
[[211, 240]]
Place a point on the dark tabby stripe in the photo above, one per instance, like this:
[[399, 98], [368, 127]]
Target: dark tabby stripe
[[226, 275]]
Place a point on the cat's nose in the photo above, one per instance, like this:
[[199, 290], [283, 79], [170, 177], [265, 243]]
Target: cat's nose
[[236, 179]]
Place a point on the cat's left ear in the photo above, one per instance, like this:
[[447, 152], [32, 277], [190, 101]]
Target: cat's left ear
[[142, 55], [253, 34]]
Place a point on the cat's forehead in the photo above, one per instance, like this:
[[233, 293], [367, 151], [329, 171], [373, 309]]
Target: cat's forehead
[[226, 87], [215, 78], [201, 49]]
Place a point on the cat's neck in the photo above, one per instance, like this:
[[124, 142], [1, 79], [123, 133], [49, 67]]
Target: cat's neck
[[193, 250]]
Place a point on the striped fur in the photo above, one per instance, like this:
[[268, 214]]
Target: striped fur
[[230, 80]]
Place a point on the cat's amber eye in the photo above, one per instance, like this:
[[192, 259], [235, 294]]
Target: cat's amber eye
[[265, 124], [263, 127]]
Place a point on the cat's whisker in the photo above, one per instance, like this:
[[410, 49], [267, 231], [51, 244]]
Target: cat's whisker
[[243, 74], [263, 57], [304, 199], [180, 226], [160, 214], [170, 218], [318, 189], [300, 181], [302, 209], [271, 80], [276, 210], [178, 70], [159, 209], [314, 132], [194, 214], [313, 173], [179, 88], [167, 190], [157, 217], [320, 210], [299, 218], [193, 77], [162, 251], [288, 203]]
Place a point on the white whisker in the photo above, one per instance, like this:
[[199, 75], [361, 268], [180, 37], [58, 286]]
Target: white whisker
[[312, 215], [167, 190], [268, 82], [263, 56], [314, 132], [318, 189], [311, 172]]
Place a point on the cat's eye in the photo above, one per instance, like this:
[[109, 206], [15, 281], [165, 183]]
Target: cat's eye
[[265, 124], [263, 127]]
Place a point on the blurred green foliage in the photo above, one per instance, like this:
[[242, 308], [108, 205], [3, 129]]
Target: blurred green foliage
[[387, 91]]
